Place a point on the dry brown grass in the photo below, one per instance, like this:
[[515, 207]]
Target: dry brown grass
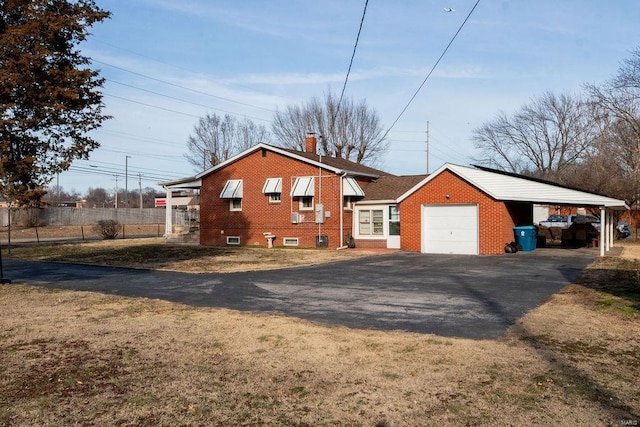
[[74, 232], [155, 253], [86, 358]]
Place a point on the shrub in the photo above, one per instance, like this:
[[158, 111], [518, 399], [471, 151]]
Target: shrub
[[107, 228]]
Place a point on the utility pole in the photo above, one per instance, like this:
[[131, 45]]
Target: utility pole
[[427, 147], [116, 198], [140, 188], [126, 181]]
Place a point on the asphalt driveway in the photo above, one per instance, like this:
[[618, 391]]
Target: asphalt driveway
[[450, 295]]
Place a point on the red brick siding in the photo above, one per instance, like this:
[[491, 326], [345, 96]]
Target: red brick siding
[[258, 215], [371, 244], [495, 221]]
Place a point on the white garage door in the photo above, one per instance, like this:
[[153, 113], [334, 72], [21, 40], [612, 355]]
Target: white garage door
[[450, 229]]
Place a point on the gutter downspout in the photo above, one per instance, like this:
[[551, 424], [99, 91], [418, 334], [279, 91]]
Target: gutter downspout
[[341, 204]]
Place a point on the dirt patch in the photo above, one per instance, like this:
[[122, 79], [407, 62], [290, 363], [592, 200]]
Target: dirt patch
[[631, 248]]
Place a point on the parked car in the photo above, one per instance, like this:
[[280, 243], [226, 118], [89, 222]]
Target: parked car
[[556, 220], [622, 230], [564, 221]]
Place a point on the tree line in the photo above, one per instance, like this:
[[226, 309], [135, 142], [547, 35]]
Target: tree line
[[589, 140], [345, 128]]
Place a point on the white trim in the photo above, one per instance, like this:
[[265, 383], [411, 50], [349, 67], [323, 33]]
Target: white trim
[[232, 189], [511, 188], [273, 149], [230, 238]]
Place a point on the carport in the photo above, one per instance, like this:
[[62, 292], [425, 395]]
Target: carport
[[473, 210]]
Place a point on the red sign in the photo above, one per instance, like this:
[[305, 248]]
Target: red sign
[[161, 202]]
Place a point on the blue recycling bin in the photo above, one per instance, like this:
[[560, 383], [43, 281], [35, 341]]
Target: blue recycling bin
[[526, 237]]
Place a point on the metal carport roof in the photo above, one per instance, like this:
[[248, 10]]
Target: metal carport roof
[[510, 187]]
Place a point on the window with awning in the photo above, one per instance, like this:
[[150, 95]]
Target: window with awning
[[351, 188], [232, 189], [272, 186], [303, 187]]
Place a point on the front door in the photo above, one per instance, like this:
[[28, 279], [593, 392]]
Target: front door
[[393, 240]]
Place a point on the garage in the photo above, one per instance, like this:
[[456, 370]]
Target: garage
[[450, 229]]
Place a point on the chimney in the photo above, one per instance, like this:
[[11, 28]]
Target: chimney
[[311, 143]]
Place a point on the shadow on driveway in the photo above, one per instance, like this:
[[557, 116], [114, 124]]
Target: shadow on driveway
[[449, 295]]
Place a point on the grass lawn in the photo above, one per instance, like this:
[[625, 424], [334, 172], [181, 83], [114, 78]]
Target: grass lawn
[[92, 359]]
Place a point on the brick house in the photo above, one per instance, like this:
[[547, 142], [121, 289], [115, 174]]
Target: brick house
[[293, 198], [274, 196], [473, 210]]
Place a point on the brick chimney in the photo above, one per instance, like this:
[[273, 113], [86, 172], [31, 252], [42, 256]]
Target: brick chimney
[[311, 143]]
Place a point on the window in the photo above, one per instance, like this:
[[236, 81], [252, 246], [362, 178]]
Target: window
[[290, 241], [233, 240], [306, 203], [347, 203], [371, 222], [394, 221], [274, 198], [235, 204], [273, 188]]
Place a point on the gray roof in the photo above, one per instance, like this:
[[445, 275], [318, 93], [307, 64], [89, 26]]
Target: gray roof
[[388, 188]]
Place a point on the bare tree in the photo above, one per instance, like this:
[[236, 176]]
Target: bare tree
[[629, 72], [216, 138], [348, 130], [541, 139], [617, 107]]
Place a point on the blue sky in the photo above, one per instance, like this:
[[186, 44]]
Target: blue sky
[[169, 62]]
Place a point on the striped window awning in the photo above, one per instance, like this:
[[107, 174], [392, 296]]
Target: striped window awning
[[232, 189], [303, 186], [351, 188], [272, 186]]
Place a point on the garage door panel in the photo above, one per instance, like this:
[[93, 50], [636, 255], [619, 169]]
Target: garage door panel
[[450, 229]]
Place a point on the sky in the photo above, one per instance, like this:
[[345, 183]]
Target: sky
[[167, 63]]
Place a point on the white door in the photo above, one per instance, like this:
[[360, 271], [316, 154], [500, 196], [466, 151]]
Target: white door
[[450, 229]]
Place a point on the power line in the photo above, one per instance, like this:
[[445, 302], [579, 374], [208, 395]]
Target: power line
[[138, 137], [355, 46], [432, 70], [150, 105], [184, 100], [180, 86]]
